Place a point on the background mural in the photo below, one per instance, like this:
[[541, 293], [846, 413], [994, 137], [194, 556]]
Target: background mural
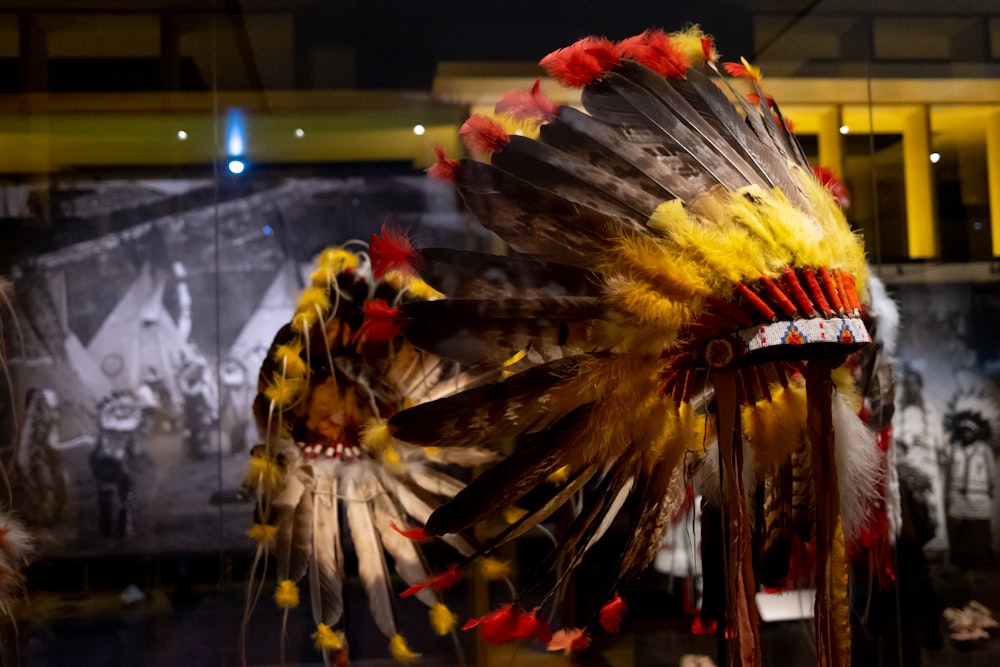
[[133, 352]]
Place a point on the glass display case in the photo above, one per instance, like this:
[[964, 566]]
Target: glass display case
[[170, 175]]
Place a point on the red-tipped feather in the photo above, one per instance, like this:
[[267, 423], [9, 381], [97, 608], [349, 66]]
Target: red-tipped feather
[[569, 641], [483, 134], [611, 614], [532, 107], [441, 582], [743, 70], [382, 321], [581, 63], [391, 252], [654, 49], [445, 167]]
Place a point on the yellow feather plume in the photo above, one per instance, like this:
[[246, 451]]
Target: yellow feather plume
[[559, 476], [400, 651], [289, 359], [689, 42], [313, 298], [323, 276], [442, 620], [649, 307], [779, 424], [303, 320], [265, 471], [421, 290], [376, 436], [513, 514], [326, 639], [338, 259], [262, 533], [494, 569], [287, 594], [283, 391]]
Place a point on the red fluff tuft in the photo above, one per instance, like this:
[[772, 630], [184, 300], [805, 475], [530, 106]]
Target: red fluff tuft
[[509, 623], [415, 534], [391, 252], [755, 98], [483, 134], [654, 49], [583, 62], [445, 167], [382, 321], [707, 47], [447, 579], [833, 185], [569, 641], [533, 106], [611, 614]]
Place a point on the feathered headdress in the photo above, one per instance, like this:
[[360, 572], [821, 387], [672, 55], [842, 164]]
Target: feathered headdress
[[327, 466], [683, 288]]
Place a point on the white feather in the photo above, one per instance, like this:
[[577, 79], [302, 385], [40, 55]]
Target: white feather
[[360, 489], [859, 469]]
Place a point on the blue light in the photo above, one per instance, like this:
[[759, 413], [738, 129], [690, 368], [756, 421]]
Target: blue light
[[267, 230], [237, 166], [235, 136]]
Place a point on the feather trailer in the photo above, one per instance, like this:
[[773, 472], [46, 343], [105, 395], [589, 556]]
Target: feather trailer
[[722, 285], [337, 468]]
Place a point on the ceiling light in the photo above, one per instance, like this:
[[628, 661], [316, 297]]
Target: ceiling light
[[844, 129], [419, 130], [935, 157], [237, 166], [181, 135], [299, 132]]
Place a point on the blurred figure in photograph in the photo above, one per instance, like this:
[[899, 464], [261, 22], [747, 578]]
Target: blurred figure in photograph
[[200, 406], [972, 478], [921, 443], [113, 462]]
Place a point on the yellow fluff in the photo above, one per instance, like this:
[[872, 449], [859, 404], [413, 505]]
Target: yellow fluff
[[400, 651], [262, 533], [376, 436], [289, 359], [338, 259], [283, 391], [313, 298], [442, 620], [287, 594], [689, 42], [494, 569], [326, 639], [266, 472], [513, 514], [779, 424], [559, 476]]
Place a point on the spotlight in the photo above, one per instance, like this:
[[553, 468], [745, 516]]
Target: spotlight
[[419, 130], [844, 129], [935, 157], [181, 135], [237, 166], [299, 132]]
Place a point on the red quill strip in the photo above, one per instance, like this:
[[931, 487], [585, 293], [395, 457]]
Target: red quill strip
[[654, 49], [779, 296], [440, 582], [831, 289], [817, 294], [754, 301], [392, 251], [483, 134], [445, 167], [794, 288]]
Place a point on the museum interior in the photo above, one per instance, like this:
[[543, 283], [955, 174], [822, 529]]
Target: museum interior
[[230, 435]]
